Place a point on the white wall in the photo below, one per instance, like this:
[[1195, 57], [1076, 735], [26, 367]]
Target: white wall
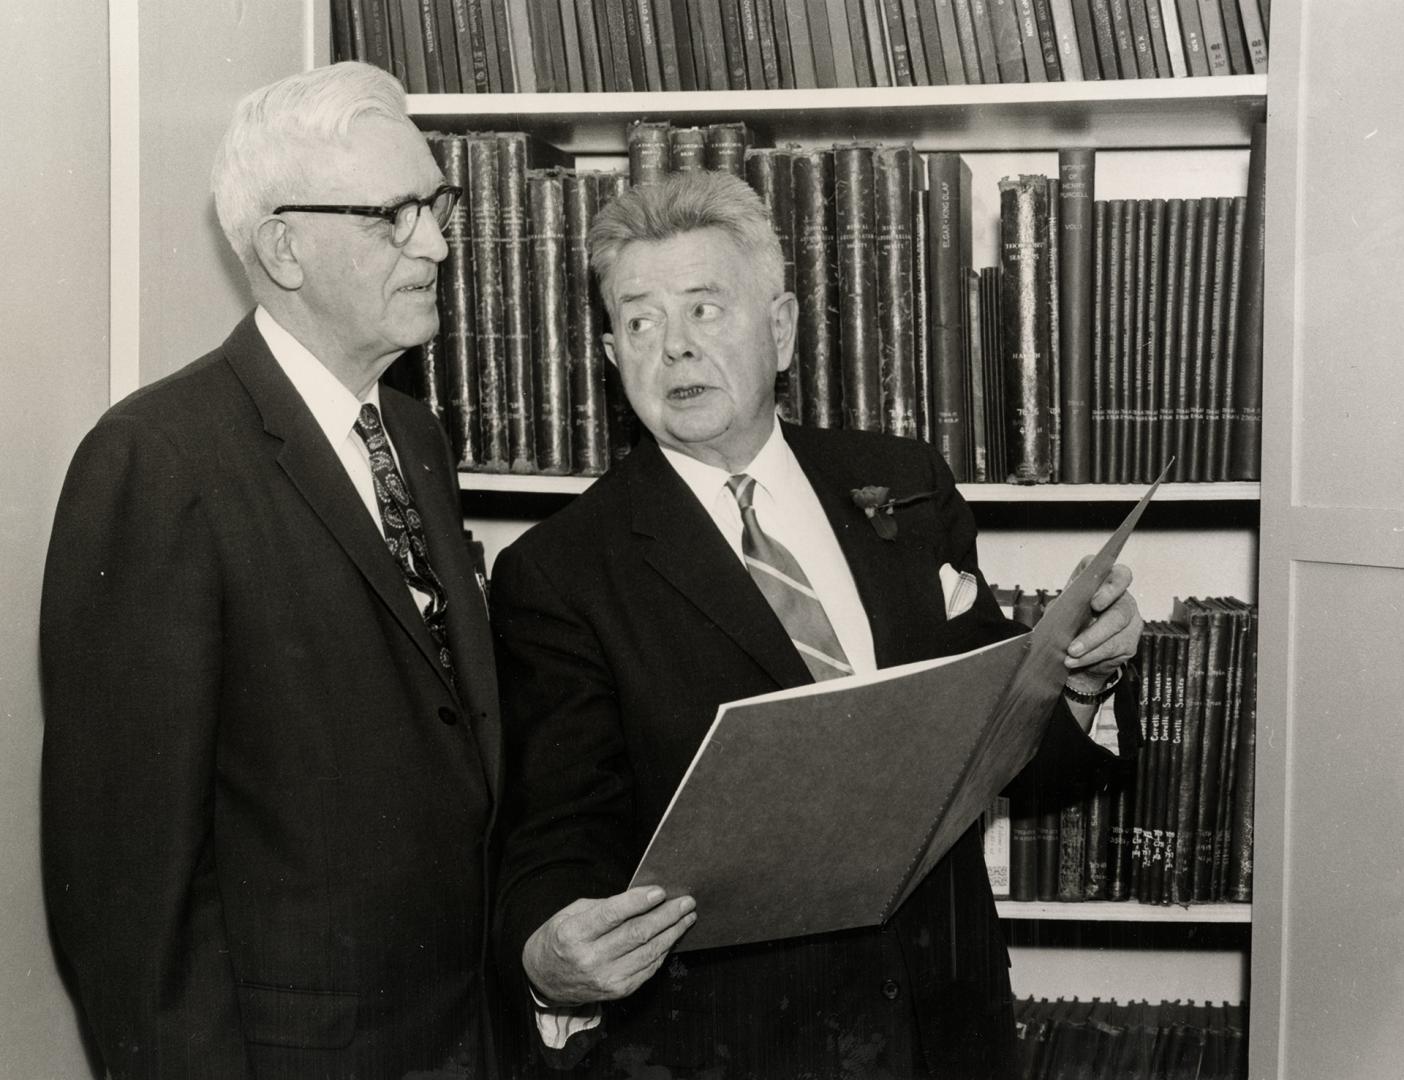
[[53, 385]]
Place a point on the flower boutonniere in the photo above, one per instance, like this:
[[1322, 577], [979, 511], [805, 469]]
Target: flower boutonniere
[[875, 504]]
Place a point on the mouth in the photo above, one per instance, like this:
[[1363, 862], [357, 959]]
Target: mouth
[[422, 287], [687, 393]]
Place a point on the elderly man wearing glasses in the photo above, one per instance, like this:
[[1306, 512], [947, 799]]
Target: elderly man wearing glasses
[[272, 743]]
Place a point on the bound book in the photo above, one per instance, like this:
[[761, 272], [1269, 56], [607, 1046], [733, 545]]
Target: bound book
[[822, 807]]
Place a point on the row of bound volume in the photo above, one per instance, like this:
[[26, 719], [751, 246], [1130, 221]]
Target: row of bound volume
[[537, 46]]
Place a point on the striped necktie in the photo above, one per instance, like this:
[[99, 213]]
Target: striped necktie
[[787, 590]]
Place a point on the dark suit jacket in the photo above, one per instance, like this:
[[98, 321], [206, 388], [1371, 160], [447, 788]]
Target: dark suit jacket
[[264, 807], [621, 624]]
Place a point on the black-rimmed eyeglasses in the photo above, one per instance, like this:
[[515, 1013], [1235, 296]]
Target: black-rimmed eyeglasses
[[403, 216]]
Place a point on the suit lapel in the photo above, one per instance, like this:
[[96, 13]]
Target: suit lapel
[[684, 546], [314, 469], [896, 579]]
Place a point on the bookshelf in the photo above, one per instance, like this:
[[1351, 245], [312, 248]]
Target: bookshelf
[[1158, 137]]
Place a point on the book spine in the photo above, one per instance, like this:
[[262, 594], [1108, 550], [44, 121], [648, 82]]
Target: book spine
[[433, 46], [547, 282], [666, 40], [1160, 50], [395, 14], [687, 150], [1100, 343], [1239, 880], [946, 34], [1228, 749], [1046, 838], [583, 24], [1097, 817], [1215, 40], [897, 43], [995, 822], [1087, 40], [456, 315], [1210, 744], [801, 48], [982, 25], [1114, 341], [978, 390], [856, 40], [1119, 833], [991, 287], [1072, 851], [1024, 264], [416, 71], [750, 45], [931, 48], [713, 39], [1055, 353], [1174, 41], [1172, 706], [1141, 345], [615, 23], [916, 48], [588, 431], [622, 423], [1125, 38], [1155, 339], [1196, 618], [468, 45], [344, 44], [376, 32], [1186, 314], [1141, 38], [765, 31], [1139, 813], [650, 150], [603, 41], [784, 53], [1170, 322], [1255, 36], [822, 42], [878, 54], [1245, 425], [892, 184], [1008, 41], [1192, 31], [1198, 380], [680, 27], [1023, 841], [516, 308], [921, 306], [1217, 373], [948, 193], [726, 147], [1076, 183], [1126, 333], [499, 21], [770, 174], [1048, 40], [817, 351], [485, 222], [563, 29], [972, 48], [1029, 43], [857, 259], [1105, 35], [1065, 34]]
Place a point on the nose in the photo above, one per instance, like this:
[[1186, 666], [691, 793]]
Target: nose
[[677, 342], [427, 240]]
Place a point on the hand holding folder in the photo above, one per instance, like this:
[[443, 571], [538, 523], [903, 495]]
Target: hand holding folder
[[822, 807]]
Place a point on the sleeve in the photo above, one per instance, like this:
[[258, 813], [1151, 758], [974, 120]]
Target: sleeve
[[130, 650], [568, 811]]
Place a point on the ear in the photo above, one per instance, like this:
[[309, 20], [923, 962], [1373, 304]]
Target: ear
[[784, 318], [277, 252], [607, 340]]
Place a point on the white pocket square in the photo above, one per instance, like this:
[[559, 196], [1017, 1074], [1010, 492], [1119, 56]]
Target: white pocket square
[[958, 588]]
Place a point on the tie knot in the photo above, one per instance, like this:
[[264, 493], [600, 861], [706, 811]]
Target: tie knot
[[368, 426], [744, 488]]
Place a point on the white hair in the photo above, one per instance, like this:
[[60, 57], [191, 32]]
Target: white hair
[[259, 164]]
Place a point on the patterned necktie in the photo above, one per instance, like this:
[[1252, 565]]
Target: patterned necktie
[[404, 532], [779, 577]]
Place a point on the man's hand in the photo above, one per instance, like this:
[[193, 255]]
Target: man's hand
[[603, 950], [1112, 635]]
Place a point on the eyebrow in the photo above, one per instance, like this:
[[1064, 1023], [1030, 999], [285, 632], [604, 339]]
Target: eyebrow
[[703, 287]]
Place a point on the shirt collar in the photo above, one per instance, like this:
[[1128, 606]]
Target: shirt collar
[[772, 468], [333, 406]]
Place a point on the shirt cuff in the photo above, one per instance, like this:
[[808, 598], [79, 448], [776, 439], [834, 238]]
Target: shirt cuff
[[1105, 732], [557, 1023]]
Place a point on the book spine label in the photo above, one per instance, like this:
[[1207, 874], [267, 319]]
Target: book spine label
[[948, 187], [588, 430], [817, 352], [1186, 774], [1076, 184], [857, 259], [1024, 263], [546, 241], [1125, 38], [485, 217], [897, 43], [1255, 36]]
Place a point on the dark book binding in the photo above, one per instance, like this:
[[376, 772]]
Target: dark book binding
[[959, 57], [588, 427], [1076, 184], [1192, 34], [457, 317], [892, 186], [1055, 362], [855, 225], [817, 352], [1100, 345], [1186, 315], [448, 47], [801, 47], [1097, 816], [485, 221], [650, 151], [516, 307], [1238, 885], [1216, 371], [982, 30], [1087, 40], [1141, 345], [978, 390], [1024, 265], [1169, 350], [1048, 40], [1104, 35], [1211, 735], [770, 174], [687, 149], [949, 245], [1126, 332], [921, 306], [821, 41], [726, 147], [1195, 617], [1141, 37], [1211, 18], [1208, 260], [1245, 423], [1115, 342], [1154, 342], [1228, 384], [1072, 850], [551, 367], [1124, 36], [1009, 46], [1023, 840]]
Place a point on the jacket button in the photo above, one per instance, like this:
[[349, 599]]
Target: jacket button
[[447, 715], [891, 990]]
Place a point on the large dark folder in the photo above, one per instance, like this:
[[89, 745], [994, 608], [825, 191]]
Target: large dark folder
[[822, 807]]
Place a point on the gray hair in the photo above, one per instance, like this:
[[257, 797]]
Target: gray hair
[[683, 203], [259, 165]]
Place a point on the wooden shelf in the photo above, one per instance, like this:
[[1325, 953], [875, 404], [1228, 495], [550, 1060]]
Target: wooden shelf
[[1119, 114], [989, 493], [1127, 912]]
